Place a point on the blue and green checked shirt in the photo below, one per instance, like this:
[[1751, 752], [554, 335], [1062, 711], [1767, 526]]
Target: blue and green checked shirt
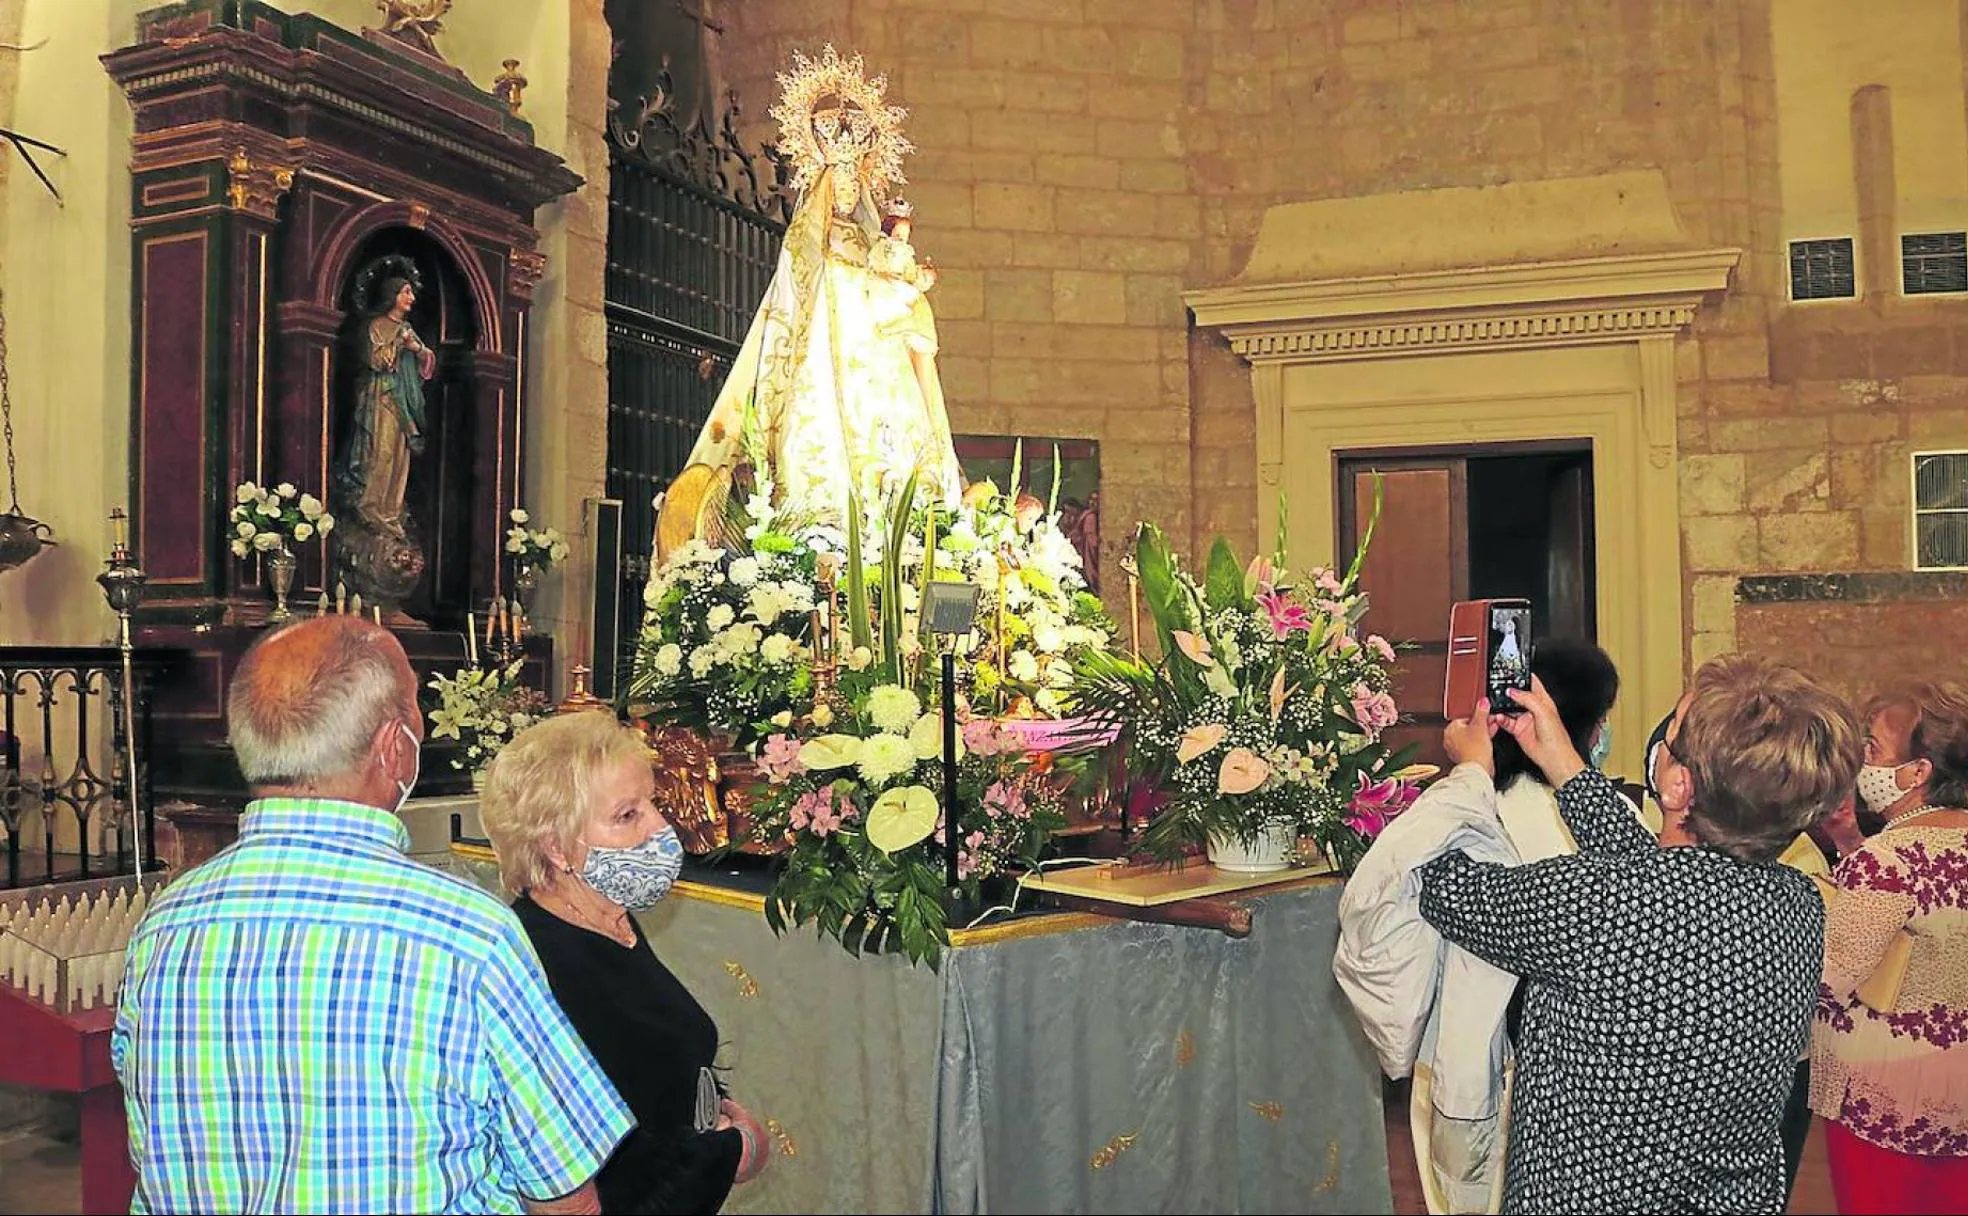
[[312, 1022]]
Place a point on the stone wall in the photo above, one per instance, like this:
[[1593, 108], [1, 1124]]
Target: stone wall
[[1083, 161]]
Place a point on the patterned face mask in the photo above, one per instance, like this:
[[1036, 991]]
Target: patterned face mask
[[1602, 746], [637, 877]]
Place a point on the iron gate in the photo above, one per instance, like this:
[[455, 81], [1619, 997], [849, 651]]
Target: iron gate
[[694, 226]]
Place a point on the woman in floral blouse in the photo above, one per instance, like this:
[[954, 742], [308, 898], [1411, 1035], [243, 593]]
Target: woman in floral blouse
[[1889, 1057]]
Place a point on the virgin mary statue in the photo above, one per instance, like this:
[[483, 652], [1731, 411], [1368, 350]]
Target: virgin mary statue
[[835, 387]]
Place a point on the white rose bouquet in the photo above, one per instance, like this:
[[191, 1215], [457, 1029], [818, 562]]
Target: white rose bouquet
[[533, 548], [265, 520]]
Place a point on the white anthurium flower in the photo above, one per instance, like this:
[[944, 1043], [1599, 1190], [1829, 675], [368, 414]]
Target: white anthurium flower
[[823, 717], [303, 530], [901, 817], [830, 752], [1219, 682], [926, 737], [783, 719]]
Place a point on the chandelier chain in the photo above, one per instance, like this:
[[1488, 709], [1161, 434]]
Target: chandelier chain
[[7, 412]]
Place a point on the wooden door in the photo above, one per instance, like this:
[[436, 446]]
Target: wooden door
[[1416, 567]]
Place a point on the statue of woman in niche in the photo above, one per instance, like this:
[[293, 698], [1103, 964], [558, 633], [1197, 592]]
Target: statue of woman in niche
[[388, 425]]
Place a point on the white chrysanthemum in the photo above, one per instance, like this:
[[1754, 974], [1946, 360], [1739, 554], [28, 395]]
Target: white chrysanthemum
[[797, 595], [776, 648], [1048, 700], [766, 603], [893, 708], [745, 571], [669, 660], [1024, 666], [885, 757], [1048, 638], [739, 640], [701, 660], [719, 617]]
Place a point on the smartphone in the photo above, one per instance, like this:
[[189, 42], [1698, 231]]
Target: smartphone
[[1489, 654]]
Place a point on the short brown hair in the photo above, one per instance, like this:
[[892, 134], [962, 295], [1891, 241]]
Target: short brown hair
[[538, 789], [1940, 735], [1771, 752]]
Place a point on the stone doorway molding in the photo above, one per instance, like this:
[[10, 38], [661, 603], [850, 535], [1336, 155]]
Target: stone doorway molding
[[1439, 319]]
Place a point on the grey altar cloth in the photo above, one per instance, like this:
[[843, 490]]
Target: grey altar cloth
[[1060, 1063]]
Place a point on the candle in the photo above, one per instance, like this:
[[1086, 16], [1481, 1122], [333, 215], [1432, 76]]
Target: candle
[[355, 603], [321, 605], [117, 519], [341, 596], [471, 638], [378, 610], [491, 616]]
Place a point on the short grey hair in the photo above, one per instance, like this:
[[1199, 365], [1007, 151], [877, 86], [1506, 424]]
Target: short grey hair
[[307, 700]]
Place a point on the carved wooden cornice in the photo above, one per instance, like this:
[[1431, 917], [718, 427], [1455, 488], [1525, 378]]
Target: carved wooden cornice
[[1590, 300], [255, 187]]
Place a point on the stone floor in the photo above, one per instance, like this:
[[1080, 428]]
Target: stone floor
[[41, 1173]]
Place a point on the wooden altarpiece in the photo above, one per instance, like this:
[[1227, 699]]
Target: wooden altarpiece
[[282, 168]]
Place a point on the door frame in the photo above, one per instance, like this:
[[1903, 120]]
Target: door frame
[[1581, 351]]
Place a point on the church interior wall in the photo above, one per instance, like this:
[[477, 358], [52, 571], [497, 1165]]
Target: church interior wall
[[1083, 160]]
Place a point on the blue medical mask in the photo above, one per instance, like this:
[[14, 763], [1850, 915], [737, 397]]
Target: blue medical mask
[[637, 877], [1602, 746]]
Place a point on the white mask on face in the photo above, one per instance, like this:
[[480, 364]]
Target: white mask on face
[[416, 768], [1878, 786]]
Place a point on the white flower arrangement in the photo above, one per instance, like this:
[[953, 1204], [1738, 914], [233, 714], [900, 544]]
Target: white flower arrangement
[[266, 520], [483, 708], [538, 548]]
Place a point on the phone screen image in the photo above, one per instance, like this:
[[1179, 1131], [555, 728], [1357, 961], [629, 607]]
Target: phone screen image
[[1510, 654]]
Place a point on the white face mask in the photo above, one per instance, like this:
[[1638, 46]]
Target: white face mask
[[1878, 786], [416, 768]]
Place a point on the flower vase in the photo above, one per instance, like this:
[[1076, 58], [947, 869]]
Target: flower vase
[[280, 576], [1269, 851]]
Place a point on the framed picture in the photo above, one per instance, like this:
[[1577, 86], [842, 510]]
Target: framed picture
[[1078, 462]]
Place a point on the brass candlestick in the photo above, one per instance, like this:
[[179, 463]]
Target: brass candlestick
[[122, 581]]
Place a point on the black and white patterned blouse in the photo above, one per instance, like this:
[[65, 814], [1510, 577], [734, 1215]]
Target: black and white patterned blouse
[[1668, 994]]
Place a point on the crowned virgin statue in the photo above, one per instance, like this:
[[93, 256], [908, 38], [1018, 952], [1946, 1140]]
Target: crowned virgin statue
[[835, 389]]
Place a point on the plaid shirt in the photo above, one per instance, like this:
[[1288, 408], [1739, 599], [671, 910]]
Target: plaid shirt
[[313, 1022]]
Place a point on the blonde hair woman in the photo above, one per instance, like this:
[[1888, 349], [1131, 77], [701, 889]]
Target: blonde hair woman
[[1889, 1060], [569, 807]]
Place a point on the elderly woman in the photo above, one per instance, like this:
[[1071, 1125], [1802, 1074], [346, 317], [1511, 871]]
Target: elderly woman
[[1889, 1060], [569, 807], [1669, 988]]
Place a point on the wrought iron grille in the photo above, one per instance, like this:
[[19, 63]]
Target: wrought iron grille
[[694, 226], [62, 763]]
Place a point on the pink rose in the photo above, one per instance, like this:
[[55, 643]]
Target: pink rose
[[1374, 711], [1381, 646], [1328, 582]]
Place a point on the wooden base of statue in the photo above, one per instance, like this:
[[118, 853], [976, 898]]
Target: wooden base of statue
[[707, 790]]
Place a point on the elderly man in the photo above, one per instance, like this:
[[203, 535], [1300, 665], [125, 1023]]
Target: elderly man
[[311, 1021]]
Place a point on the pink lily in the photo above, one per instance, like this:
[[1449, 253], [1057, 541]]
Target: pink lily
[[1286, 614]]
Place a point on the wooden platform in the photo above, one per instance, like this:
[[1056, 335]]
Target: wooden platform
[[1148, 886]]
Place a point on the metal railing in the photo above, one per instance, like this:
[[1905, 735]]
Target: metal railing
[[64, 787]]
